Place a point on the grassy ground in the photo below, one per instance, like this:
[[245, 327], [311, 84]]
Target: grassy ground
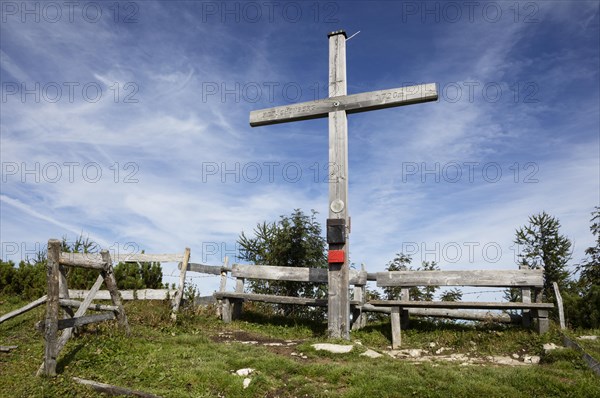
[[196, 356], [592, 347]]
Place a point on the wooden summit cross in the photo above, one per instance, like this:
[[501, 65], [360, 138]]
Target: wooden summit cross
[[335, 108]]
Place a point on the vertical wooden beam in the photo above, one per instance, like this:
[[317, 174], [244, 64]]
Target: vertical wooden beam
[[559, 303], [111, 285], [64, 290], [223, 282], [67, 333], [226, 311], [526, 298], [180, 290], [396, 328], [52, 306], [542, 324], [223, 285], [237, 304], [338, 316], [404, 315], [357, 313]]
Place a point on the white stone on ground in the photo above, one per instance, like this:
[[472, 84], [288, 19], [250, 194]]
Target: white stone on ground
[[247, 382], [333, 348], [244, 372], [371, 354], [550, 346], [587, 337]]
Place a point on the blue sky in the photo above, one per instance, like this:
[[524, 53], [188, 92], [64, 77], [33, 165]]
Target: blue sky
[[128, 123]]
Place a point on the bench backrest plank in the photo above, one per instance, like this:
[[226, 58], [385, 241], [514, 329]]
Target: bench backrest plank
[[295, 274], [487, 278]]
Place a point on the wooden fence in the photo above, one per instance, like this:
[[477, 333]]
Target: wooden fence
[[58, 295]]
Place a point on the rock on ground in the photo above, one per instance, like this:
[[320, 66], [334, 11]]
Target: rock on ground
[[371, 354], [333, 348]]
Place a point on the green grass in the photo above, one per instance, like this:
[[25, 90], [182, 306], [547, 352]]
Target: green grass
[[195, 357], [592, 347]]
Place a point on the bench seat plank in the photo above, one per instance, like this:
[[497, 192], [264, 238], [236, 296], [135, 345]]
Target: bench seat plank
[[271, 298], [461, 304]]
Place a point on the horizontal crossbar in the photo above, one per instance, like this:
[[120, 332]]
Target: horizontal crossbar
[[292, 274], [474, 305], [206, 269], [274, 299], [353, 103], [84, 320], [271, 298], [479, 278], [93, 307]]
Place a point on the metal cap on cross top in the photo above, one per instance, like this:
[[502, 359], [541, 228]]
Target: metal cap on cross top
[[338, 32], [336, 108]]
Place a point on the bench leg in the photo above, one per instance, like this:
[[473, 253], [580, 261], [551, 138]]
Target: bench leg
[[542, 324], [237, 309], [396, 330], [404, 319], [226, 310], [358, 319], [526, 318]]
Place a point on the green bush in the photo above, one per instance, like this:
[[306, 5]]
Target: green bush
[[28, 280], [138, 276]]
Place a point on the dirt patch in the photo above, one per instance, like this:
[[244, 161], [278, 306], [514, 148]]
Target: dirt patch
[[278, 346]]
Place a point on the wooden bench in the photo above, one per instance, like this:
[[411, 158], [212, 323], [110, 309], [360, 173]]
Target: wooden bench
[[232, 301], [529, 281]]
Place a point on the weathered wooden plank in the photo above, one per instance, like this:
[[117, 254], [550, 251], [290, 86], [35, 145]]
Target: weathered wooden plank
[[354, 103], [294, 274], [471, 315], [64, 290], [338, 309], [460, 304], [206, 269], [236, 306], [541, 321], [226, 310], [68, 332], [23, 309], [271, 272], [222, 285], [51, 350], [83, 260], [147, 258], [559, 303], [142, 294], [271, 298], [93, 307], [183, 269], [94, 260], [480, 278], [114, 390], [8, 348], [84, 320], [396, 330], [111, 285], [592, 363]]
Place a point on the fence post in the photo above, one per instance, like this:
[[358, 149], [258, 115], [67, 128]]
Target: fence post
[[111, 285], [222, 285], [180, 290], [559, 303], [52, 306]]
